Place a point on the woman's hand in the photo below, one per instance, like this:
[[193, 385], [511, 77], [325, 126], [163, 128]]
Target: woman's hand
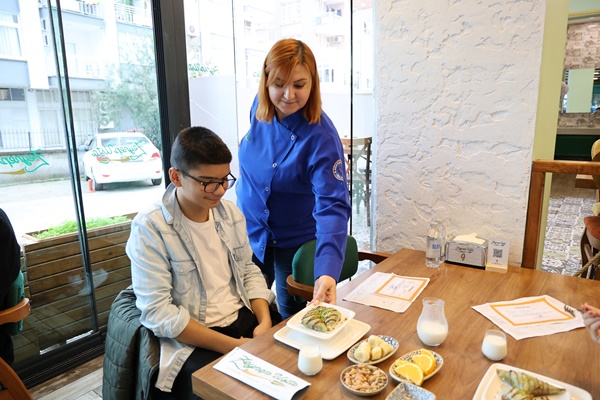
[[324, 290], [591, 319]]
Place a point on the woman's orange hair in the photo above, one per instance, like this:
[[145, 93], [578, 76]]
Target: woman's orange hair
[[280, 61]]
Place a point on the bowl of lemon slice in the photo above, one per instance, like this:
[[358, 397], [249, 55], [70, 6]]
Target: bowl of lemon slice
[[416, 367]]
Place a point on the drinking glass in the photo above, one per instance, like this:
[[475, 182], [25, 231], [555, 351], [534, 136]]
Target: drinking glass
[[494, 345], [310, 361]]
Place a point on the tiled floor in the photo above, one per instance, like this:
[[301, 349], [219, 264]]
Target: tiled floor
[[85, 382]]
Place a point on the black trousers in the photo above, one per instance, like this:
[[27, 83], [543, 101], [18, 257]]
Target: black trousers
[[242, 327]]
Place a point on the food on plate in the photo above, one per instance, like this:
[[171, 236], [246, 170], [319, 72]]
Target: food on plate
[[516, 394], [363, 352], [376, 353], [372, 349], [410, 372], [417, 367], [364, 378], [425, 362], [322, 319], [527, 383]]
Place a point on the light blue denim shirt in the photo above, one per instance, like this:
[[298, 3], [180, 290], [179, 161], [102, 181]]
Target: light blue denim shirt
[[166, 277]]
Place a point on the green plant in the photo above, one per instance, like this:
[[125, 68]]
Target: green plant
[[71, 226]]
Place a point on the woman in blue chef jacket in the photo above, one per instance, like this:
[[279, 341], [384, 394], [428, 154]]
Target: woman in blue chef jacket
[[292, 187]]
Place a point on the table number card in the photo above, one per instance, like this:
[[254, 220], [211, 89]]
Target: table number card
[[498, 252]]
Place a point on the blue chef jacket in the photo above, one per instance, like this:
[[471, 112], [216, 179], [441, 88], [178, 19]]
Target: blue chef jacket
[[292, 188]]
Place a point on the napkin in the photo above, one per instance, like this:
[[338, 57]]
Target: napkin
[[469, 238], [260, 374]]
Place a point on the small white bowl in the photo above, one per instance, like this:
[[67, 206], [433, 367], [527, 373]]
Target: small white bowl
[[371, 369]]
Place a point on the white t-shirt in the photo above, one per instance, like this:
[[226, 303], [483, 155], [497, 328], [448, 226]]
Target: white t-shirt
[[223, 301]]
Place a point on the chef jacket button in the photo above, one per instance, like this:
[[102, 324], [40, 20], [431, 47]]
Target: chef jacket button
[[274, 241], [266, 211], [266, 189], [293, 137], [274, 165], [262, 247]]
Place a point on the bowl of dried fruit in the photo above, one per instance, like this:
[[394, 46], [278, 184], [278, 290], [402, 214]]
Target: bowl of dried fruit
[[364, 379]]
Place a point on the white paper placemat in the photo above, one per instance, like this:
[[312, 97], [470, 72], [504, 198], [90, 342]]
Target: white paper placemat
[[260, 374], [388, 291], [530, 316]]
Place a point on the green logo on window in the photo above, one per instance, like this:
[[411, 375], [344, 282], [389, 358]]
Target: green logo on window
[[32, 162]]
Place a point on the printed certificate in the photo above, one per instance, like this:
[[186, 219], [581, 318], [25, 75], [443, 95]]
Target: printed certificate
[[530, 312], [402, 287]]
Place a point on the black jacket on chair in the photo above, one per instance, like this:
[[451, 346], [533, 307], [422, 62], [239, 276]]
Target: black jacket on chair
[[132, 352]]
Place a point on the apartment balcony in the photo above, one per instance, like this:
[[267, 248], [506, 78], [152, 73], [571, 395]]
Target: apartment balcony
[[82, 67], [81, 7], [133, 15], [329, 24]]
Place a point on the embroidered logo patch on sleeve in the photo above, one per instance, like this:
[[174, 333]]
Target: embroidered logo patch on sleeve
[[338, 170]]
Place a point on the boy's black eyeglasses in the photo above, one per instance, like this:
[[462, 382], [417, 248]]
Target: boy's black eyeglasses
[[212, 186]]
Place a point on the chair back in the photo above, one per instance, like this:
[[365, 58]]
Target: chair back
[[16, 293], [303, 264]]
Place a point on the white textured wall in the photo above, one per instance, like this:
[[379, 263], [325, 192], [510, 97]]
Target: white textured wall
[[456, 96]]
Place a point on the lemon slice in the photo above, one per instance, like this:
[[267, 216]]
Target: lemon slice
[[411, 372], [399, 362], [428, 353], [425, 362]]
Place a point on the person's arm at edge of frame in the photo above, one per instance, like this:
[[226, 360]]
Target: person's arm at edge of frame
[[325, 287]]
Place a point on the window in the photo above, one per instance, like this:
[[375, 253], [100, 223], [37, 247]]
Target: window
[[9, 35], [291, 12], [12, 94]]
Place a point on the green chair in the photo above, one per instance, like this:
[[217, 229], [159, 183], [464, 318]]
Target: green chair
[[15, 295], [300, 283]]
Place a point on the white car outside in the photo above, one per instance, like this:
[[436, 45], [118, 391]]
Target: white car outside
[[121, 157]]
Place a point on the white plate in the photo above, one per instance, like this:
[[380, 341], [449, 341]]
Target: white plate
[[388, 339], [490, 387], [439, 361], [295, 322], [330, 349]]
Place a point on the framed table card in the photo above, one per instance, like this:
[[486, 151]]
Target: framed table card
[[498, 252]]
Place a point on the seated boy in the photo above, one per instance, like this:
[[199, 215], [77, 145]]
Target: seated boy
[[191, 266]]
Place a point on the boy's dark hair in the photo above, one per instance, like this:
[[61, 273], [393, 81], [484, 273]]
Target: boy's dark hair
[[198, 145]]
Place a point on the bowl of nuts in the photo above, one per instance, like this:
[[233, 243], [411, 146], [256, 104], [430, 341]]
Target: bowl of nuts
[[364, 379]]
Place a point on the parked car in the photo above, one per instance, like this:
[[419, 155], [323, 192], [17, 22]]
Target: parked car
[[121, 157]]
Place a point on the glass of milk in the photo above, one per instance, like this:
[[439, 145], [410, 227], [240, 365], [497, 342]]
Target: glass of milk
[[432, 326], [494, 345], [310, 361]]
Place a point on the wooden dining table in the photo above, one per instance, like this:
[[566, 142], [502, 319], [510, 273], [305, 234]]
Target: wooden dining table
[[571, 357]]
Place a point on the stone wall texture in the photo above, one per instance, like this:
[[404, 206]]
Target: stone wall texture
[[456, 98]]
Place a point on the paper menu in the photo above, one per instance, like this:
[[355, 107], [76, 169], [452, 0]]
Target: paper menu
[[388, 291], [530, 316], [260, 374], [530, 312], [402, 287]]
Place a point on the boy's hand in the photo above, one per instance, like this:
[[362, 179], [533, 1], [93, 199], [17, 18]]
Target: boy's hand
[[261, 328]]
